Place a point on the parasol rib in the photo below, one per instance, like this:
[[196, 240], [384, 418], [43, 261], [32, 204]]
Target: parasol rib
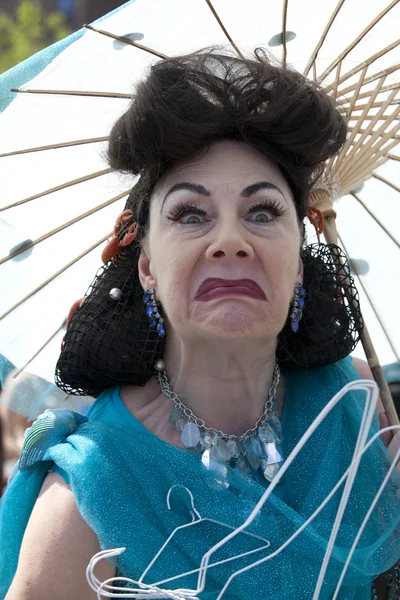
[[386, 88], [375, 92], [354, 268], [389, 183], [377, 104], [284, 21], [64, 226], [57, 188], [373, 78], [361, 147], [358, 39], [55, 146], [366, 133], [376, 219], [376, 159], [339, 157], [393, 156], [368, 62], [220, 23], [16, 373], [50, 279], [364, 161], [127, 41], [337, 78], [359, 176], [371, 118], [311, 62], [75, 93]]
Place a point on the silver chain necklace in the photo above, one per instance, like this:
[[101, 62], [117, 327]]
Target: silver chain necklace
[[255, 450]]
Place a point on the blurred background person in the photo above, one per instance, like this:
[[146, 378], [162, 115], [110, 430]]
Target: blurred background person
[[24, 396], [392, 375]]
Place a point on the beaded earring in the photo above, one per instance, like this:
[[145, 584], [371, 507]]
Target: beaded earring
[[152, 311], [298, 306]]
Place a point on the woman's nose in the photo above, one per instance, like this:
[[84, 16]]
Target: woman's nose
[[229, 242]]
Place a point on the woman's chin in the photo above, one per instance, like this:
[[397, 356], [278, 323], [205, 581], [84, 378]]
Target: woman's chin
[[233, 321]]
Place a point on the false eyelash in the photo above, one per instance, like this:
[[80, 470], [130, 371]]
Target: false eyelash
[[272, 205], [182, 208]]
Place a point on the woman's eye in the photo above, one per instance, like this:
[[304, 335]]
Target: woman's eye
[[192, 219], [265, 212], [187, 214], [260, 217]]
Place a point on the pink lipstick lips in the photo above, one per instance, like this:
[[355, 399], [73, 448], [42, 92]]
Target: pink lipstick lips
[[213, 288]]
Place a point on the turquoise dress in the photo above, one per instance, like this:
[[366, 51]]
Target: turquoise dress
[[120, 474]]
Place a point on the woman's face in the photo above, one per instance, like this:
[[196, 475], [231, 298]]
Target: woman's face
[[223, 245]]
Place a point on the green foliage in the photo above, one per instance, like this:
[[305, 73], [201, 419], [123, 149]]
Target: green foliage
[[27, 33]]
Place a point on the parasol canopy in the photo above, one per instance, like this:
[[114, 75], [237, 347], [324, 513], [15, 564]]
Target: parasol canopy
[[59, 199]]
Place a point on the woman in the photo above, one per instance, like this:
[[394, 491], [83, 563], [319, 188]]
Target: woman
[[241, 337]]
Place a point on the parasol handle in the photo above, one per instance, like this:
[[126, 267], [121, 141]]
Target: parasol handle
[[320, 199]]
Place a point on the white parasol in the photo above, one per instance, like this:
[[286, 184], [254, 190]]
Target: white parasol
[[59, 199]]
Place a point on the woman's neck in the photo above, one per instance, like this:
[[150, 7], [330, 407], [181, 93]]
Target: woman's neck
[[225, 384]]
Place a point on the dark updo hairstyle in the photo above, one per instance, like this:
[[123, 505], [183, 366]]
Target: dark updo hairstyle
[[188, 102], [184, 105]]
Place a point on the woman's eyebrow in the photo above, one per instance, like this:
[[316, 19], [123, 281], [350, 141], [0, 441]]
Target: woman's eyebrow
[[185, 185], [260, 185], [200, 189]]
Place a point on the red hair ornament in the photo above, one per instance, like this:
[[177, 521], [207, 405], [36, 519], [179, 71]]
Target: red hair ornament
[[316, 218], [123, 235], [77, 304]]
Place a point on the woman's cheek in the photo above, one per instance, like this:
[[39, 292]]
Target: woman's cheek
[[282, 291], [173, 288]]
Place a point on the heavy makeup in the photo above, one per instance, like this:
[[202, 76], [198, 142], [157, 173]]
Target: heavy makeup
[[222, 252], [223, 246]]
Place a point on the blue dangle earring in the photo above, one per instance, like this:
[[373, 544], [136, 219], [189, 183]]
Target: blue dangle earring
[[152, 311], [298, 306]]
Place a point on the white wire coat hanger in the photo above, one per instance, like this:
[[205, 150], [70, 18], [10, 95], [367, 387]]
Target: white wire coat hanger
[[196, 519], [144, 590]]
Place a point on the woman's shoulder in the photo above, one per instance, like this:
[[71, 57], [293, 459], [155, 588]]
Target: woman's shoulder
[[56, 535], [308, 391], [320, 382], [59, 433]]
